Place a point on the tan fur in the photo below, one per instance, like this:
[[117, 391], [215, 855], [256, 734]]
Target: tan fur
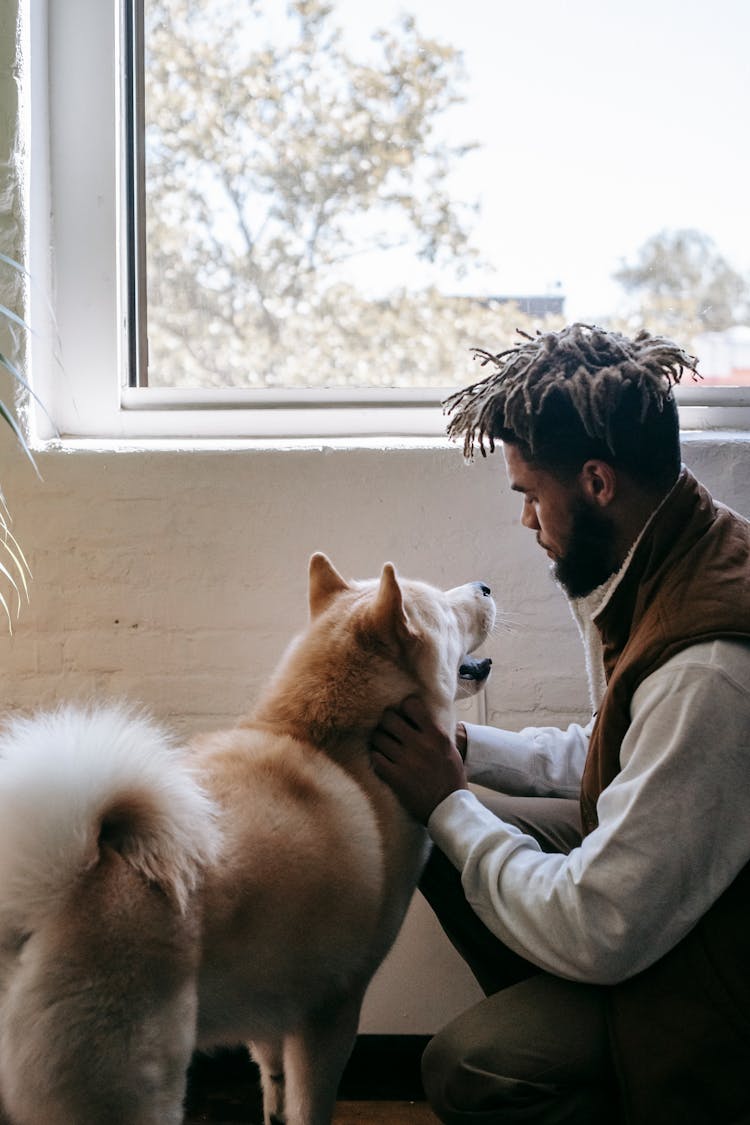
[[315, 869]]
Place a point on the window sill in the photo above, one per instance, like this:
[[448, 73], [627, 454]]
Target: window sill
[[351, 418], [311, 444]]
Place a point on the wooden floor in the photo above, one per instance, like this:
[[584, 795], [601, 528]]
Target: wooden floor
[[347, 1113], [384, 1113], [223, 1089]]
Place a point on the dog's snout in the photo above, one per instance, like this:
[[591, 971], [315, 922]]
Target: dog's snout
[[484, 588], [477, 670]]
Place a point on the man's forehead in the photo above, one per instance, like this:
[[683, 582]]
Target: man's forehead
[[521, 473]]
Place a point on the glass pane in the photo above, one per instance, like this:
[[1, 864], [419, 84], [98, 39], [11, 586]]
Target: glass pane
[[349, 194]]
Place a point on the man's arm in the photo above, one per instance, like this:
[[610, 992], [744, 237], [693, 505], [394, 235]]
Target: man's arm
[[537, 761], [673, 830], [533, 762]]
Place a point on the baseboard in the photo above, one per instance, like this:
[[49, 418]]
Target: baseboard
[[381, 1067]]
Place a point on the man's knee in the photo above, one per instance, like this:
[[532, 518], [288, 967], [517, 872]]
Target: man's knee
[[441, 1061], [536, 1052], [458, 1083]]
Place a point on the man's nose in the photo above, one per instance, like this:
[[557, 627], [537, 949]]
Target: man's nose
[[528, 517]]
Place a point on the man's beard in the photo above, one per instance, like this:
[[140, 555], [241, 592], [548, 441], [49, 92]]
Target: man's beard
[[588, 561]]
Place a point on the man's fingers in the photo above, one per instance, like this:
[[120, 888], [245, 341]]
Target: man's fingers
[[410, 713], [414, 711], [382, 764], [391, 722], [397, 725], [382, 742]]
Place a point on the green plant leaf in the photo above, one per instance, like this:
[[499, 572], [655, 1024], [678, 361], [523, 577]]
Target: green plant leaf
[[4, 570], [4, 604], [15, 553], [18, 568], [21, 567], [7, 416], [21, 575], [19, 377], [10, 315], [22, 269], [14, 264]]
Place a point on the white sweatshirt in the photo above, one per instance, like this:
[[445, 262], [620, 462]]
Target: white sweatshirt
[[674, 825]]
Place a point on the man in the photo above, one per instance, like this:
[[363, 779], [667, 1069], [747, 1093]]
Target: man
[[601, 892]]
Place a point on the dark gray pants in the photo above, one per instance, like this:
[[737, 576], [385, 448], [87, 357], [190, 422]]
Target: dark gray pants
[[536, 1050]]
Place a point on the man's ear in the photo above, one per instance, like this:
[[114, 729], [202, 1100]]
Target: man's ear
[[325, 583], [598, 479], [389, 616]]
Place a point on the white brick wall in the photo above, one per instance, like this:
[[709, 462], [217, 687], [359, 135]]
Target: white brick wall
[[176, 578]]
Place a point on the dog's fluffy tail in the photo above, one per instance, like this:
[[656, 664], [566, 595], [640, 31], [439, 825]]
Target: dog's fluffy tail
[[77, 779]]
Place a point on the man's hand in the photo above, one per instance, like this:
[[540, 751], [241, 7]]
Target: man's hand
[[416, 758]]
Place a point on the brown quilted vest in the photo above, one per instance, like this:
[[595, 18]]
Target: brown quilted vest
[[681, 1028]]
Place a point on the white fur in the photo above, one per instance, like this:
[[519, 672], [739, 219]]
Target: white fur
[[60, 773]]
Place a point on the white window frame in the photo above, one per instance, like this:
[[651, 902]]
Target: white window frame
[[75, 204]]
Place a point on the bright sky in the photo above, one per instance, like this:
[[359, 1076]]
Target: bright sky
[[601, 122]]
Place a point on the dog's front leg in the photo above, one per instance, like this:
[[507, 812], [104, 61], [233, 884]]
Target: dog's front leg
[[314, 1060], [270, 1058]]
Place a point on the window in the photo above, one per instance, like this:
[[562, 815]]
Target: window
[[275, 218]]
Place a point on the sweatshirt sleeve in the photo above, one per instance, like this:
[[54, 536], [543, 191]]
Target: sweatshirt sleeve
[[534, 762], [673, 833]]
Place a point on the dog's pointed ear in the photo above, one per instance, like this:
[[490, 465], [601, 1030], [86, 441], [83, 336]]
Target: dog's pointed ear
[[325, 582], [389, 614]]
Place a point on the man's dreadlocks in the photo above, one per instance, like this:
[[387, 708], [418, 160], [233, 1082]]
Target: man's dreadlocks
[[583, 392]]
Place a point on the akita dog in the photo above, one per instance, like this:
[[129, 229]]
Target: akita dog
[[242, 889]]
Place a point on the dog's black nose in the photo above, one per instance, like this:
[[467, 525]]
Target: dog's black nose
[[477, 670], [484, 588]]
